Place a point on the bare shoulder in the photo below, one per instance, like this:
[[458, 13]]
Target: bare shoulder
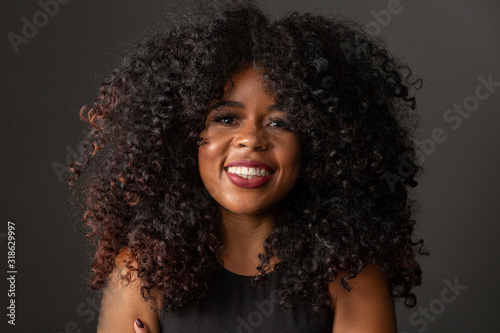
[[368, 307], [122, 302]]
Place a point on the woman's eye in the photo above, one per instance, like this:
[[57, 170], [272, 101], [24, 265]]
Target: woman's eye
[[229, 117], [280, 122], [225, 118]]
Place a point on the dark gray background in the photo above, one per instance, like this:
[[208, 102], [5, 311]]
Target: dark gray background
[[448, 43]]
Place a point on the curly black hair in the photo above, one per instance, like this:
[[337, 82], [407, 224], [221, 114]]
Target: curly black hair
[[348, 99]]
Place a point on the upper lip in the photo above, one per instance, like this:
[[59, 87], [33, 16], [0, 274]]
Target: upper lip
[[249, 164]]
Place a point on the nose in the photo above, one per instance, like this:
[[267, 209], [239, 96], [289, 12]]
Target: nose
[[250, 135]]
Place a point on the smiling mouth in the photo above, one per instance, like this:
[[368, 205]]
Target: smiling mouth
[[248, 172], [244, 178]]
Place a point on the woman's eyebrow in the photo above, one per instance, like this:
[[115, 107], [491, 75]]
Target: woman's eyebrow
[[234, 104], [275, 107]]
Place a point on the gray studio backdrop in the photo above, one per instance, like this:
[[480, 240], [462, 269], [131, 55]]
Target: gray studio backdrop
[[53, 69]]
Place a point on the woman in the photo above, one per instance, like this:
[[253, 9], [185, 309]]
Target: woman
[[244, 174]]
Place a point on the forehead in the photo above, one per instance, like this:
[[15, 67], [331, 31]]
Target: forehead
[[247, 82]]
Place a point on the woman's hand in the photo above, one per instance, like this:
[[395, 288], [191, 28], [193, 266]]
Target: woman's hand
[[140, 327]]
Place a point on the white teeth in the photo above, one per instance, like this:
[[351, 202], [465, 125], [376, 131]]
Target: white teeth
[[248, 173]]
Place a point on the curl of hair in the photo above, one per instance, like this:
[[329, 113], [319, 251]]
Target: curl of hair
[[348, 100]]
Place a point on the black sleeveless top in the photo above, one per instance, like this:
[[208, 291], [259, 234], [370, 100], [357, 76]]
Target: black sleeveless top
[[234, 304]]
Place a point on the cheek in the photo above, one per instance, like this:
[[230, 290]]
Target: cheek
[[204, 160], [212, 144], [294, 151], [205, 156], [294, 158], [208, 147], [210, 154]]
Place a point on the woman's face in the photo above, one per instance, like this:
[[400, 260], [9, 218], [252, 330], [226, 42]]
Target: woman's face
[[239, 132]]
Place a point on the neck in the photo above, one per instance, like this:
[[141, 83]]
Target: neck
[[244, 239]]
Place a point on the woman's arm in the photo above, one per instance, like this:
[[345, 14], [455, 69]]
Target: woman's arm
[[368, 307], [122, 303]]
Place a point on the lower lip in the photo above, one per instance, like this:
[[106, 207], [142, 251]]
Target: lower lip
[[249, 183]]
